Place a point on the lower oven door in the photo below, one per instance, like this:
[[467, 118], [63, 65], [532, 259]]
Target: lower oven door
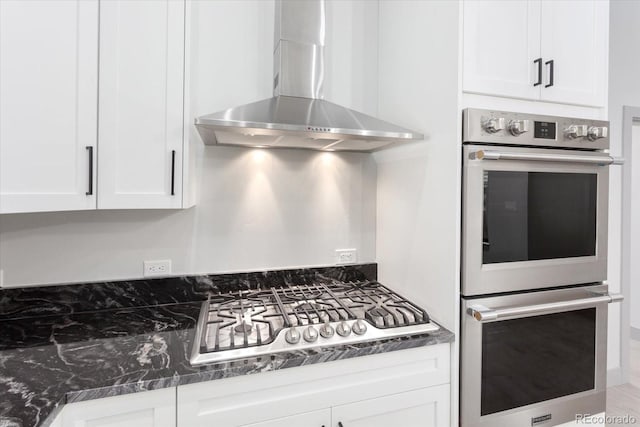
[[535, 358]]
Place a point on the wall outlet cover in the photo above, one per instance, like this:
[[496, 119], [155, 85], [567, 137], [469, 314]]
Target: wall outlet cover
[[346, 256], [157, 268]]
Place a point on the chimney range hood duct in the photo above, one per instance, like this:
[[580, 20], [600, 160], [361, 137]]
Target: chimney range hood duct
[[297, 116]]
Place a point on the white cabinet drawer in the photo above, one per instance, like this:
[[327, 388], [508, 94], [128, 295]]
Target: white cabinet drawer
[[254, 398]]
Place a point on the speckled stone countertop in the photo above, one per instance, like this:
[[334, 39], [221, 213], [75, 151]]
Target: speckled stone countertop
[[65, 344]]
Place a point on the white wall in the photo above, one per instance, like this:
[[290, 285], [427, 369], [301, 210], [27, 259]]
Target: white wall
[[635, 234], [419, 184], [624, 89], [257, 208], [418, 226]]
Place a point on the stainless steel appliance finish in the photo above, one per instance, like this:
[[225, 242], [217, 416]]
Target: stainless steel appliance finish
[[263, 322], [534, 263], [515, 349], [542, 157], [507, 128], [479, 277], [297, 116], [535, 201]]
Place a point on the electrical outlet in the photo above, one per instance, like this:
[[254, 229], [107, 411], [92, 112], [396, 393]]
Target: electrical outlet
[[346, 256], [157, 268]]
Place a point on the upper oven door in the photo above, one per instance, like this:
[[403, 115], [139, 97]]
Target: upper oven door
[[532, 218]]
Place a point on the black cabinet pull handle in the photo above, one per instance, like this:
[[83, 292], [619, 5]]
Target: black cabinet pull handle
[[90, 150], [539, 62], [340, 424], [173, 172], [550, 64]]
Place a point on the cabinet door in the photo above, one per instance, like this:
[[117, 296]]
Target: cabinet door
[[427, 407], [48, 107], [321, 418], [501, 41], [141, 104], [575, 35], [155, 408]]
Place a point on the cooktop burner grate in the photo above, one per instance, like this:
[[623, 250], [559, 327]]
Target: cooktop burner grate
[[247, 319]]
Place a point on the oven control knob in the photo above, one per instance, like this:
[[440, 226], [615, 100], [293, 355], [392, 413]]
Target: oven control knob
[[326, 330], [576, 131], [595, 132], [518, 127], [292, 336], [493, 124], [343, 329], [359, 327], [310, 334]]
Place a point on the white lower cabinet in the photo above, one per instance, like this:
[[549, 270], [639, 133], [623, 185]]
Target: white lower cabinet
[[407, 388], [426, 407], [155, 408], [321, 418]]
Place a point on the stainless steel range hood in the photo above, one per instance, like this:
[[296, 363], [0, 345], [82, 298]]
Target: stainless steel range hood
[[297, 116]]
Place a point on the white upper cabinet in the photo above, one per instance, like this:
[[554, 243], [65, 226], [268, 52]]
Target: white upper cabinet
[[48, 105], [92, 104], [501, 43], [575, 38], [142, 45], [543, 50]]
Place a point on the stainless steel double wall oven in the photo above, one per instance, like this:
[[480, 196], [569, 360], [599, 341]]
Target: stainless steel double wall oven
[[534, 264]]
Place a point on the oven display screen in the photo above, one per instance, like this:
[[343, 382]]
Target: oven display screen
[[544, 130]]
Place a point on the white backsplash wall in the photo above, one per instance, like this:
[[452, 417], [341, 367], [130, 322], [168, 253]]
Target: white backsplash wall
[[256, 209]]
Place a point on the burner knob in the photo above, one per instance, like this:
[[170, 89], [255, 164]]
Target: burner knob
[[292, 336], [310, 334], [359, 327], [343, 329], [326, 331]]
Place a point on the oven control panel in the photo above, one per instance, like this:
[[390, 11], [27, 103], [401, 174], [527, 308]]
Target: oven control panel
[[508, 128]]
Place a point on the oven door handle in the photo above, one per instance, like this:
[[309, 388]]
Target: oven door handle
[[540, 157], [485, 314]]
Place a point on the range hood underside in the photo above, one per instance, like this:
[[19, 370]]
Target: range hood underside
[[286, 122]]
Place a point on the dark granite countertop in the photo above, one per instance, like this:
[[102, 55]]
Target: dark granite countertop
[[72, 351]]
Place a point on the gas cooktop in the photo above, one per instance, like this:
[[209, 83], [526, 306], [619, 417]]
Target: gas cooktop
[[263, 322]]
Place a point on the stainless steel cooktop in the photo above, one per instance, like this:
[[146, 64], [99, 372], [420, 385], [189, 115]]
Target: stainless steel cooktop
[[263, 322]]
